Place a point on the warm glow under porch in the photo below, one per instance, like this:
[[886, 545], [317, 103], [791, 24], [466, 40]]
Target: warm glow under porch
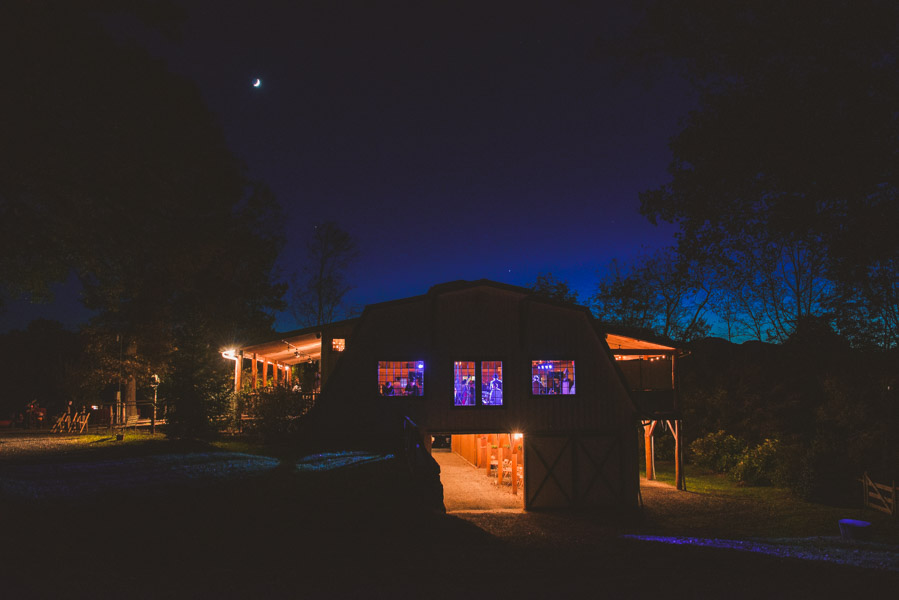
[[481, 472]]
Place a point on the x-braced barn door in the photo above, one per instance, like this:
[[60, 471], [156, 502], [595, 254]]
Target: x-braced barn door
[[573, 470]]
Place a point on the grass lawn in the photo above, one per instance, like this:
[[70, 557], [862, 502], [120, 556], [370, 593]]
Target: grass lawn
[[768, 512]]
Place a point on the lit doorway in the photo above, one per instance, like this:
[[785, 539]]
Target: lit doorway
[[481, 472]]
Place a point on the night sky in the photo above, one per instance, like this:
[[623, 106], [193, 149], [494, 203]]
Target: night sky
[[452, 140]]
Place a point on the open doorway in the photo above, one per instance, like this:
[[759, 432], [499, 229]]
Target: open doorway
[[481, 471]]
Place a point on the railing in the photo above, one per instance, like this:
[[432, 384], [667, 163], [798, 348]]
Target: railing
[[879, 496]]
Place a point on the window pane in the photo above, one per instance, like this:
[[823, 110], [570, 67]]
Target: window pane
[[338, 344], [492, 382], [401, 378], [552, 377], [464, 383]]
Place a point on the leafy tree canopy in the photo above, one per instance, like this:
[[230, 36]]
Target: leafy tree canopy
[[794, 145], [548, 286], [322, 285], [119, 172]]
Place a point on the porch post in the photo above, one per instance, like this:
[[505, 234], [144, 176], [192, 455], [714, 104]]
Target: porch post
[[264, 372], [648, 428], [238, 368], [679, 480], [255, 371]]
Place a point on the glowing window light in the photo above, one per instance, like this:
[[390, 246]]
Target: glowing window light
[[401, 378], [552, 377], [464, 387]]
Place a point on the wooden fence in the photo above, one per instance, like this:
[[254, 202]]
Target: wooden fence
[[76, 423], [879, 496]]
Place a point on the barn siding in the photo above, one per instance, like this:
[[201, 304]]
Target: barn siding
[[484, 323]]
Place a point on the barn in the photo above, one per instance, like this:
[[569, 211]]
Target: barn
[[521, 385]]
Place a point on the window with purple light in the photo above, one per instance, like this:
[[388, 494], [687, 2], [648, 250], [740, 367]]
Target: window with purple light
[[492, 382], [550, 377], [478, 383], [464, 385], [401, 378]]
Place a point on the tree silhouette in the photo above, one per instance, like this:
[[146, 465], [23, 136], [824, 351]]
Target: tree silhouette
[[320, 290], [794, 145], [121, 174], [548, 286]]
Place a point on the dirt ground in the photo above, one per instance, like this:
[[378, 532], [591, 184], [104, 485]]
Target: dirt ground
[[466, 488], [351, 532]]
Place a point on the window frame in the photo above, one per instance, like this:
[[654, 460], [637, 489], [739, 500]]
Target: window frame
[[530, 380], [424, 371], [479, 384]]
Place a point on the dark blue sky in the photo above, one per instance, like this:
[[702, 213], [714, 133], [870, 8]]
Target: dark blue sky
[[452, 140]]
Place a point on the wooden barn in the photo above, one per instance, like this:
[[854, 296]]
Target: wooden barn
[[521, 384]]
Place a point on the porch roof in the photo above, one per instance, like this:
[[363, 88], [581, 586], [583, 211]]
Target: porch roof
[[621, 342], [289, 348]]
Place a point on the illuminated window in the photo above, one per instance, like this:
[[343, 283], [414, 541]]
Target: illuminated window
[[552, 377], [492, 382], [401, 378], [464, 384], [478, 387], [338, 344]]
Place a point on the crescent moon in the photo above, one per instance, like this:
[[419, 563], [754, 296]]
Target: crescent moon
[[257, 83]]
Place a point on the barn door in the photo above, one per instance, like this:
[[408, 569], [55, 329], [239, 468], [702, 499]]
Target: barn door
[[576, 470]]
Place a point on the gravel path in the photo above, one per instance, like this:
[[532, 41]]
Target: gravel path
[[466, 488], [17, 443]]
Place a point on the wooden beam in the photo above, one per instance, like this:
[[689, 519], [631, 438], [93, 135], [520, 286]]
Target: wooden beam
[[679, 481], [648, 428]]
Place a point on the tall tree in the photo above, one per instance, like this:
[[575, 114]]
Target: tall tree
[[122, 174], [321, 288], [658, 293], [548, 286], [795, 140]]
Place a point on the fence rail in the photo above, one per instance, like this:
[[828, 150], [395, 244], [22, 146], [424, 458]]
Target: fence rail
[[879, 496]]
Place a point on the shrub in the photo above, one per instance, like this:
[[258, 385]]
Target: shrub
[[278, 412], [825, 474], [758, 465], [719, 451], [663, 444]]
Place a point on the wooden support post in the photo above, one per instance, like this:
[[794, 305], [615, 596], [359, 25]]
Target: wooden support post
[[679, 481], [264, 372], [648, 428], [255, 371], [238, 368], [515, 473]]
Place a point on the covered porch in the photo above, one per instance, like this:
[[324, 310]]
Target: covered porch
[[300, 360], [650, 369]]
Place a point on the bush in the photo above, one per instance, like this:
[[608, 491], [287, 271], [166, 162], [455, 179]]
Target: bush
[[759, 465], [825, 474], [663, 444], [719, 451], [278, 412]]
